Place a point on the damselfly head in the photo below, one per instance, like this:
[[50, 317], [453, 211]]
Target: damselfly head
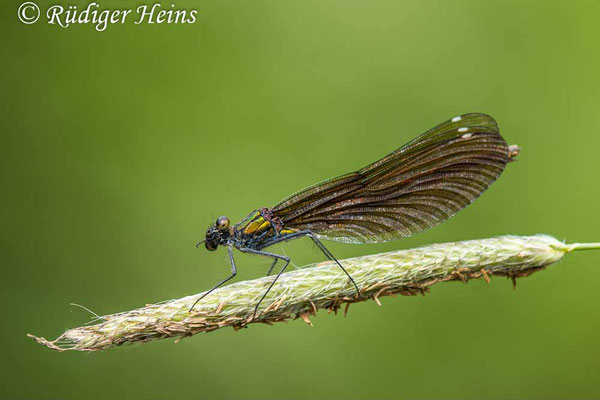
[[213, 238], [217, 233]]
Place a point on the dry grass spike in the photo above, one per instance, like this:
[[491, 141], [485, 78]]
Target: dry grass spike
[[302, 292]]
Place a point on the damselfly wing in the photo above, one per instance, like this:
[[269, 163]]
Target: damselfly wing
[[416, 187]]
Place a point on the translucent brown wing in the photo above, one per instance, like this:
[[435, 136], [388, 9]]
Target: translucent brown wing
[[414, 188]]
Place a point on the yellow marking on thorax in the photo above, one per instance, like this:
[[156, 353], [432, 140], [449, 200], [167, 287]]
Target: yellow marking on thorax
[[258, 225], [265, 225], [253, 225]]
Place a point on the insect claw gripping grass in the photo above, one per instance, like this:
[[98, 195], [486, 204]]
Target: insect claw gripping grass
[[302, 292]]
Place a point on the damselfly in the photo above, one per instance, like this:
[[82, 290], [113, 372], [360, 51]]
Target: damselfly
[[414, 188]]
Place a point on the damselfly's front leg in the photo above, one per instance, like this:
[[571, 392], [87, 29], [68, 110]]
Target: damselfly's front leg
[[233, 273]]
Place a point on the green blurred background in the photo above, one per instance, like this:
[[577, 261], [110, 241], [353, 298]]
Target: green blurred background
[[119, 149]]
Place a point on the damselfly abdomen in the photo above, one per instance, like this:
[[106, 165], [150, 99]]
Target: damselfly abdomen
[[414, 188]]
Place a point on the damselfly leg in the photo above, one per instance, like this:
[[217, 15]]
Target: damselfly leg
[[321, 247], [271, 255], [233, 273], [272, 266], [278, 257]]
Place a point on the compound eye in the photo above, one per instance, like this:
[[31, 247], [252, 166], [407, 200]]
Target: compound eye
[[222, 223]]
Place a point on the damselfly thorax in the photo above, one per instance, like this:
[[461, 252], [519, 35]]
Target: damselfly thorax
[[256, 231], [416, 187]]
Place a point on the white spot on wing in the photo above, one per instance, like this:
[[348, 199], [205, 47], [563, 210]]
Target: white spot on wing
[[456, 119], [466, 135], [463, 129]]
